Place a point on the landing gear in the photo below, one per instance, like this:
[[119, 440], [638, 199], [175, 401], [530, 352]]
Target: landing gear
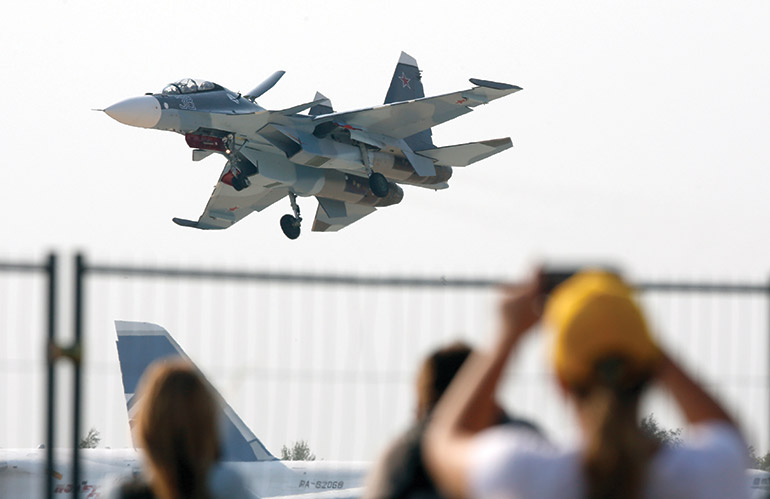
[[290, 225], [379, 185]]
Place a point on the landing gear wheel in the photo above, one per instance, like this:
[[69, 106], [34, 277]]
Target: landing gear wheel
[[290, 226], [379, 185]]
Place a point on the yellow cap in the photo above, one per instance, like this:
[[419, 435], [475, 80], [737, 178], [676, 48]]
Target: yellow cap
[[594, 316]]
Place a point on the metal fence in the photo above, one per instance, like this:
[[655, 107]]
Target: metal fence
[[45, 271], [330, 359]]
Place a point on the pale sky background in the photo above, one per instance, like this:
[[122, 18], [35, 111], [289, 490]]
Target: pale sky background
[[641, 137]]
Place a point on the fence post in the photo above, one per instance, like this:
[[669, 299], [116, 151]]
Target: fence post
[[76, 355], [51, 388]]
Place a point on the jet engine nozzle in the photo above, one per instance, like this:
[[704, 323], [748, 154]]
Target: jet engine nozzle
[[395, 196], [141, 111]]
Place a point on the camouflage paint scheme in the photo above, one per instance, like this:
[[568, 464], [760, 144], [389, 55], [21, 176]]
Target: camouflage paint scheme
[[335, 157]]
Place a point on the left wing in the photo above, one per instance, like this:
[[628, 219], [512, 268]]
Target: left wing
[[333, 215], [227, 206], [402, 119]]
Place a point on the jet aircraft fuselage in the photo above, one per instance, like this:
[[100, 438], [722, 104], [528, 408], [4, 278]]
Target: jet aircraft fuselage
[[22, 473], [352, 162]]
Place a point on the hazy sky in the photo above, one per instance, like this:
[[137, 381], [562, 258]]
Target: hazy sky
[[641, 135]]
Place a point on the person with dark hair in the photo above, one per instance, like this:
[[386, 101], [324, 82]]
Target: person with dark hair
[[176, 426], [604, 359], [400, 471]]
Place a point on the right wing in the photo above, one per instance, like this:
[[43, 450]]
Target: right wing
[[402, 119], [227, 206]]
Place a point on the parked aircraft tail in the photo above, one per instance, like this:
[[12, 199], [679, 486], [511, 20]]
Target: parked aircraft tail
[[407, 85], [140, 344]]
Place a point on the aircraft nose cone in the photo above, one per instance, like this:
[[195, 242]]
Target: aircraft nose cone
[[141, 111]]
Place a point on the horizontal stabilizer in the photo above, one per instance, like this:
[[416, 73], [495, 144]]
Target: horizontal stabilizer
[[466, 154], [423, 166], [334, 208], [332, 222]]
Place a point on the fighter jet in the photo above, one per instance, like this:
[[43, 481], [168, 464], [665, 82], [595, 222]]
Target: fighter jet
[[352, 161]]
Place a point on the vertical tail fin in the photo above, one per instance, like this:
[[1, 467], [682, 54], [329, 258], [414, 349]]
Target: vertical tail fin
[[407, 85], [324, 107], [139, 345]]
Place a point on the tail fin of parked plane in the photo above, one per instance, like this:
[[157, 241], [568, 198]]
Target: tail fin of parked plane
[[407, 85], [139, 345]]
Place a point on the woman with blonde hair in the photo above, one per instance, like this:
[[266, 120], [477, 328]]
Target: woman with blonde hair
[[177, 427], [604, 358]]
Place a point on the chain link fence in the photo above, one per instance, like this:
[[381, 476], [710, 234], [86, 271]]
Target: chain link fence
[[331, 359]]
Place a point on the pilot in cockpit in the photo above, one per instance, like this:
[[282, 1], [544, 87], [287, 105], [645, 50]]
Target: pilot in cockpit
[[188, 86]]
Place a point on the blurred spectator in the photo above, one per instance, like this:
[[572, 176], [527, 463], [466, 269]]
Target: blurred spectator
[[604, 358], [400, 471], [177, 429]]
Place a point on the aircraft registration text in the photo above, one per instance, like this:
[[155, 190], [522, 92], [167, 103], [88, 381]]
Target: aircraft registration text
[[322, 484]]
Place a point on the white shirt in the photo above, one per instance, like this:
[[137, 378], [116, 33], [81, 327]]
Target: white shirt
[[509, 463]]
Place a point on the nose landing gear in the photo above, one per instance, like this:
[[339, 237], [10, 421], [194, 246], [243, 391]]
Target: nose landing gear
[[290, 225]]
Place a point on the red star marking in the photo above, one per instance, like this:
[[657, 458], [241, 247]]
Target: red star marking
[[233, 208], [404, 80], [461, 101]]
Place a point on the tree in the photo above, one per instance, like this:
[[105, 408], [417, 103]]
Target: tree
[[298, 451], [759, 463], [91, 440], [651, 427]]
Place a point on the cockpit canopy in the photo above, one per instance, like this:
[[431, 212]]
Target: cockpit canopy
[[189, 86]]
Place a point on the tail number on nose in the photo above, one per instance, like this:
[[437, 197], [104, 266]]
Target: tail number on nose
[[187, 103]]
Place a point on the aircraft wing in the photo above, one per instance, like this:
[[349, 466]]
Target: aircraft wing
[[402, 119], [352, 493], [333, 215], [227, 206]]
